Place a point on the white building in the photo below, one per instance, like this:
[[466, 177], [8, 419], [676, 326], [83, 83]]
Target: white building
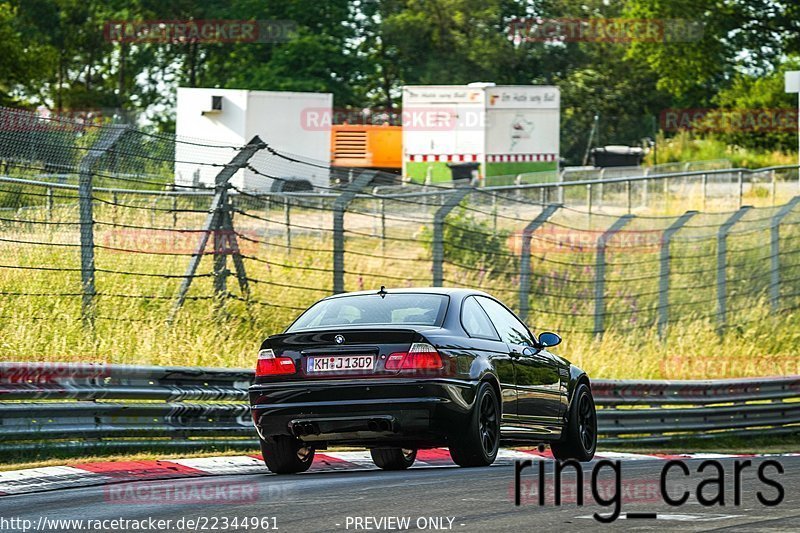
[[293, 123]]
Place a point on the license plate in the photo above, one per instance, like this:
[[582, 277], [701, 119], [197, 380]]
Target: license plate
[[339, 363]]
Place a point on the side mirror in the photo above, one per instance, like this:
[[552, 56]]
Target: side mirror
[[548, 339]]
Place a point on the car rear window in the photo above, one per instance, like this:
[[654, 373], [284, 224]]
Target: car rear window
[[374, 309]]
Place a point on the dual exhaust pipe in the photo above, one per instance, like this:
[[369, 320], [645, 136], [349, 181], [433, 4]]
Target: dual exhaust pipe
[[380, 425], [302, 428]]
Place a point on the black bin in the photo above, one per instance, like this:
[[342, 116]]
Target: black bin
[[463, 172], [617, 156]]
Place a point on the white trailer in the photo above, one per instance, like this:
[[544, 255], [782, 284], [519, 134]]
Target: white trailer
[[294, 123], [506, 130]]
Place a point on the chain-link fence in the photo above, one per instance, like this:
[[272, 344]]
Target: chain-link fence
[[110, 246]]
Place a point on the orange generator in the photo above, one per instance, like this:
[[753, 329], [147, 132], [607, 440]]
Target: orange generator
[[367, 146]]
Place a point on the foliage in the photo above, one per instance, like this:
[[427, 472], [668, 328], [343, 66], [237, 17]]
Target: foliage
[[685, 146], [55, 53], [472, 243]]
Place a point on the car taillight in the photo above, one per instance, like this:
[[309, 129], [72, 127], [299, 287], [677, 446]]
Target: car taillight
[[421, 356], [269, 365]]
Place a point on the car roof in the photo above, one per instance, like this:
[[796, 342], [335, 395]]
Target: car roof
[[449, 291]]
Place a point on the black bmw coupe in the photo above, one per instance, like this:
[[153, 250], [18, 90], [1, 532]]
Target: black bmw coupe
[[403, 369]]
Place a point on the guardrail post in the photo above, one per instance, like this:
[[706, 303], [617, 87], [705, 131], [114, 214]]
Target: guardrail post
[[600, 189], [49, 204], [663, 274], [525, 258], [774, 186], [628, 193], [740, 182], [216, 220], [722, 263], [704, 185], [85, 187], [774, 252], [666, 195], [339, 208], [600, 272], [452, 200], [589, 198]]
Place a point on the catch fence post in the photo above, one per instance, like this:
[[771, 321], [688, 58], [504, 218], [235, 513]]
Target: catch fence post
[[452, 200], [267, 217], [287, 221], [664, 267], [600, 272], [220, 271], [174, 209], [216, 223], [774, 252], [383, 226], [494, 212], [115, 201], [85, 200], [722, 263], [525, 258], [339, 208]]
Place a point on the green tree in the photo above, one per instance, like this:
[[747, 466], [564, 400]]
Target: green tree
[[767, 94]]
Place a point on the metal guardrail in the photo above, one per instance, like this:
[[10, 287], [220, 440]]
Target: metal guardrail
[[658, 411], [66, 405]]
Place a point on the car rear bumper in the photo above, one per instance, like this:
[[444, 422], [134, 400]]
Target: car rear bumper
[[364, 411]]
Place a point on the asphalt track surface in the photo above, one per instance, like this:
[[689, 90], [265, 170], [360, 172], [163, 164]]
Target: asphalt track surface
[[476, 499]]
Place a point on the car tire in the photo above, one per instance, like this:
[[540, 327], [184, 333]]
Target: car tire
[[478, 446], [579, 440], [393, 458], [286, 455]]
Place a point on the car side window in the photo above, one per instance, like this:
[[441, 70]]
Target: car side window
[[509, 327], [475, 321]]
